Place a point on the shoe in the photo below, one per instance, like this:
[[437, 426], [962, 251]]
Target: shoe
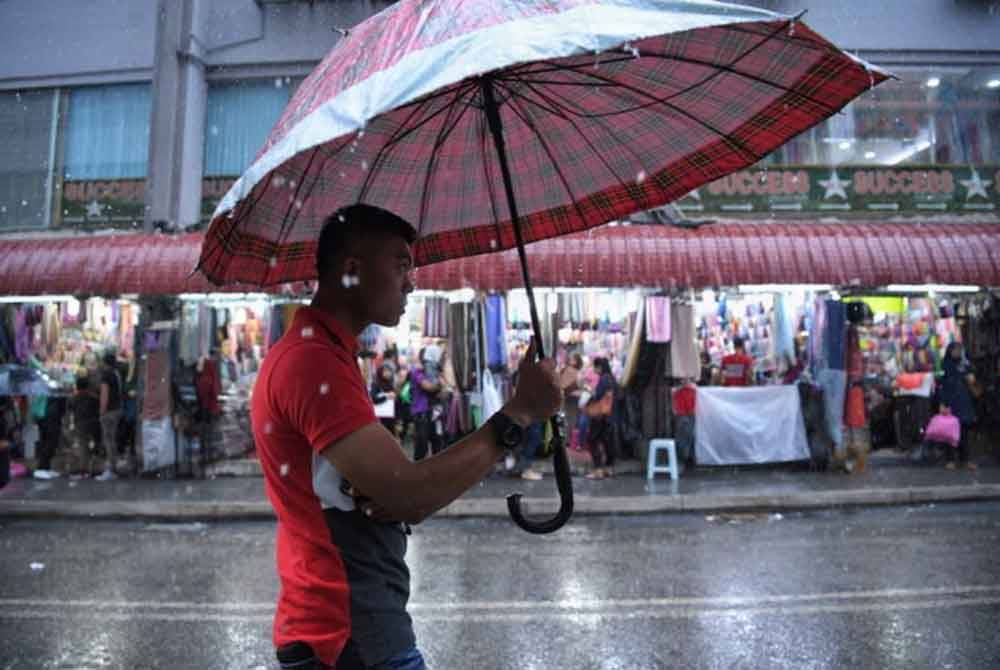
[[950, 466], [106, 476], [596, 474], [531, 475], [45, 474], [509, 462], [972, 466]]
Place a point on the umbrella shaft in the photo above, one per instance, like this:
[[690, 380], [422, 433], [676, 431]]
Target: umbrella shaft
[[496, 129]]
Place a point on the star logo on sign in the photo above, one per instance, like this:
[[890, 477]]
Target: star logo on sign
[[975, 186], [834, 186], [93, 209]]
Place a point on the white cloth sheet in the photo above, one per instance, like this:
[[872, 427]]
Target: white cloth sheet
[[749, 425]]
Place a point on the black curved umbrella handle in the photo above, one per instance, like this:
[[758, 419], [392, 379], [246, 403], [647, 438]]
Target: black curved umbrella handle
[[563, 482]]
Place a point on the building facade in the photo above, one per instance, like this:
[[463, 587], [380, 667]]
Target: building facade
[[140, 115]]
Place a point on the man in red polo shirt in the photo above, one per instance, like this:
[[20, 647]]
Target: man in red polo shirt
[[343, 490], [737, 367]]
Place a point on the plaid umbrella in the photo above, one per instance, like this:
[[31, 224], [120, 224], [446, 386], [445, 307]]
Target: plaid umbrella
[[488, 124]]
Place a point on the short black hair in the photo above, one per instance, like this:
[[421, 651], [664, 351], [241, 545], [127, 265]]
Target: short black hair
[[352, 223], [602, 364], [738, 343], [109, 358]]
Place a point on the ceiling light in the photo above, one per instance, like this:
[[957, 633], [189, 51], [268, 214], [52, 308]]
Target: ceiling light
[[993, 83], [869, 155], [933, 82], [845, 145]]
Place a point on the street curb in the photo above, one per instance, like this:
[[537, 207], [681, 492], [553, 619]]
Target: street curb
[[497, 507]]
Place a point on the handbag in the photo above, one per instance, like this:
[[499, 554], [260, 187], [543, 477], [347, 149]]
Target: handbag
[[600, 408]]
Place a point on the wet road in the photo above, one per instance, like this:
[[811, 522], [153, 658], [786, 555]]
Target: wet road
[[883, 588]]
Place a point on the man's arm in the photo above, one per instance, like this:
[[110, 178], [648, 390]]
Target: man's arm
[[372, 460]]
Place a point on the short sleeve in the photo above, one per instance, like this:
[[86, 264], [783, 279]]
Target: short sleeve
[[325, 398]]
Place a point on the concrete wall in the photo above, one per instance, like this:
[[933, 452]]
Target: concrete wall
[[60, 42]]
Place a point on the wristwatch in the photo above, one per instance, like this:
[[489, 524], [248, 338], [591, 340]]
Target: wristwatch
[[509, 433]]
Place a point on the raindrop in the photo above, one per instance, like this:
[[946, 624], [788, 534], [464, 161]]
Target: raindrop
[[3, 209], [189, 489], [791, 28], [273, 261], [342, 175], [641, 177], [214, 130], [298, 204], [291, 183], [284, 469], [361, 133], [268, 428], [340, 217], [65, 212], [306, 332], [24, 203], [279, 82], [37, 567], [278, 181], [493, 244], [364, 165], [324, 388]]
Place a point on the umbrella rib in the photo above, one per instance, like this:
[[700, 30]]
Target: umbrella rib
[[525, 118], [560, 112], [718, 68], [443, 133], [403, 130], [725, 138], [484, 142]]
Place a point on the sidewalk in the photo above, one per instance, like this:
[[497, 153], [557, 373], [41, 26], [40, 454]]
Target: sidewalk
[[888, 481]]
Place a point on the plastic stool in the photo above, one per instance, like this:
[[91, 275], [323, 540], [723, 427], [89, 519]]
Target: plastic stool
[[655, 446]]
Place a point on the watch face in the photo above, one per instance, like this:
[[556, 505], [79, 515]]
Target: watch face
[[512, 436]]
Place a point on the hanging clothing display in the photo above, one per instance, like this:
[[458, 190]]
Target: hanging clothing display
[[784, 330], [684, 360], [658, 319], [496, 331], [435, 317], [156, 400]]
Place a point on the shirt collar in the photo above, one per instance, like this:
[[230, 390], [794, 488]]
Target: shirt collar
[[337, 331]]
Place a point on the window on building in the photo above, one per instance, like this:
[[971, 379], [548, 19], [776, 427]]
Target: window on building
[[924, 118], [238, 119], [26, 124], [107, 132]]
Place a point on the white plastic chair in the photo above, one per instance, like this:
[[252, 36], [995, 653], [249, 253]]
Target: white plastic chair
[[656, 446]]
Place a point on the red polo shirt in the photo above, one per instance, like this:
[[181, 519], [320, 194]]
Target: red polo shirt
[[735, 368], [309, 394]]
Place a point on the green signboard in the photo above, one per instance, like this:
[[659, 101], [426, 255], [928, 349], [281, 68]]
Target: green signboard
[[850, 191]]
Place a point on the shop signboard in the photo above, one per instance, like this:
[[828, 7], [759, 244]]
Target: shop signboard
[[847, 190]]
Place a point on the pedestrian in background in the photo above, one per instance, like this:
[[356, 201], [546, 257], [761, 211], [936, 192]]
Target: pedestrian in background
[[956, 395], [111, 413], [600, 433]]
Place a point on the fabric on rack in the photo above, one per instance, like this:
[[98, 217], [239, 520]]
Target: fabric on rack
[[436, 317], [571, 308], [156, 401], [459, 337], [187, 345], [496, 331], [836, 335], [204, 330], [834, 385], [658, 319], [817, 338], [53, 328], [635, 346], [684, 361], [22, 335], [784, 334]]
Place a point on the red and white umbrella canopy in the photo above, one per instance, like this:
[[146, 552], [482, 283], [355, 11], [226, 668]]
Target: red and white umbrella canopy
[[608, 107]]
